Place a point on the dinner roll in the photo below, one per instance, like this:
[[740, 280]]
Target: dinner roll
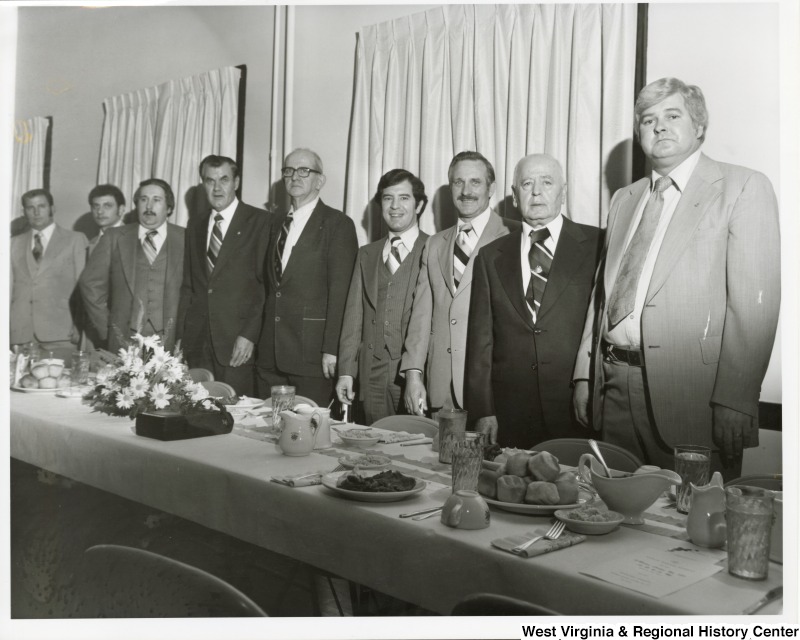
[[511, 489], [567, 485], [544, 466], [517, 464], [487, 483], [542, 493]]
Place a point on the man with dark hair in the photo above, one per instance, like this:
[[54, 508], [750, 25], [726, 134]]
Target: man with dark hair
[[437, 332], [530, 291], [46, 262], [108, 207], [222, 297], [379, 301], [307, 270], [132, 281], [687, 298]]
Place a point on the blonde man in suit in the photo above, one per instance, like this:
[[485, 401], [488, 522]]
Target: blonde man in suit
[[132, 281], [437, 332], [46, 262], [688, 295], [379, 301]]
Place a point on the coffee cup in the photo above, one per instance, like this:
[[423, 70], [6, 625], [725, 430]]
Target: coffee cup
[[465, 510]]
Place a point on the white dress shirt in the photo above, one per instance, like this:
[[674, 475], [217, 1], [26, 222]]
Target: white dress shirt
[[227, 216], [554, 227], [478, 223], [45, 235], [159, 239], [299, 220], [407, 240], [628, 333]]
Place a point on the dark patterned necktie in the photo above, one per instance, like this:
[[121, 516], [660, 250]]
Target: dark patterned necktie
[[149, 246], [623, 295], [395, 258], [214, 244], [285, 228], [540, 260], [38, 247]]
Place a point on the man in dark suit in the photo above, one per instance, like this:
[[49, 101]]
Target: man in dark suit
[[530, 292], [379, 301], [222, 297], [308, 268], [108, 208], [132, 281]]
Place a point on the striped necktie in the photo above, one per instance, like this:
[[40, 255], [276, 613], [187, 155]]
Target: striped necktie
[[214, 244], [539, 259], [285, 228], [395, 257], [38, 247], [465, 244], [623, 295], [149, 246]]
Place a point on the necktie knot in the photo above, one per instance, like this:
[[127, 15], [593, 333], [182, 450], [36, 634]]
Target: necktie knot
[[539, 235], [395, 241], [395, 257], [466, 228], [151, 234], [662, 184], [218, 218]]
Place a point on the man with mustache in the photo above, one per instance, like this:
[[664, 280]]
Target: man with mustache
[[132, 281], [688, 295], [530, 291], [437, 332]]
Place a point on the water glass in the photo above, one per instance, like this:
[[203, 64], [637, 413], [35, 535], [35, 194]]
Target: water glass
[[467, 461], [80, 369], [282, 399], [452, 425], [749, 513], [692, 464]]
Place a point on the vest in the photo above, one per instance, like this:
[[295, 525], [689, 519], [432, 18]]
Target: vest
[[147, 313], [389, 313]]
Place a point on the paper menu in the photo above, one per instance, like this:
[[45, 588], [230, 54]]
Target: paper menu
[[658, 573]]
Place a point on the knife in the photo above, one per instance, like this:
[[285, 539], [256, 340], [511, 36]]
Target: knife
[[418, 513], [772, 594]]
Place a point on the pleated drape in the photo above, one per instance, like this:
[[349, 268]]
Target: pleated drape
[[506, 80], [30, 141], [165, 131]]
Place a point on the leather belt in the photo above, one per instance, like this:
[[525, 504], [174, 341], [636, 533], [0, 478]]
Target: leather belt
[[632, 357]]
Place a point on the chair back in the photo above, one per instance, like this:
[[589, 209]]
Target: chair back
[[217, 389], [569, 450], [200, 375], [411, 424], [124, 582], [773, 481], [492, 604]]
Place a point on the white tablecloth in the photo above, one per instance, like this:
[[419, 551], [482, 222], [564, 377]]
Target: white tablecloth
[[222, 482]]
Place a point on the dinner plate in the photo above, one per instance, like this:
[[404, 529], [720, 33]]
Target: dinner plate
[[587, 527], [245, 404], [349, 462], [329, 482], [37, 390], [537, 509]]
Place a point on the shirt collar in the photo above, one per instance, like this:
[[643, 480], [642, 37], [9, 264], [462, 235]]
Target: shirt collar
[[478, 223], [554, 227], [680, 175], [46, 233], [161, 232], [227, 212], [408, 237], [305, 210]]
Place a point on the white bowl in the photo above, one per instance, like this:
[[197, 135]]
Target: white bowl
[[375, 462], [367, 438], [589, 527]]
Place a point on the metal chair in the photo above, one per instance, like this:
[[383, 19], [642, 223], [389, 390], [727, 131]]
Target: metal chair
[[123, 582], [217, 389], [773, 482], [569, 450], [200, 375], [412, 424], [492, 604]]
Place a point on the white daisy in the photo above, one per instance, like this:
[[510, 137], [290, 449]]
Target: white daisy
[[124, 400], [160, 396], [139, 386], [150, 342]]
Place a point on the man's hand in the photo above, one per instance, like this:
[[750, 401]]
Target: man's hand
[[177, 347], [328, 365], [344, 389], [416, 398], [731, 433], [580, 402], [242, 351], [488, 425]]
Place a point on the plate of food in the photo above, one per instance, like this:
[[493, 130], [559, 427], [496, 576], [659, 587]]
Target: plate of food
[[367, 461], [358, 437], [385, 486], [592, 519], [244, 404]]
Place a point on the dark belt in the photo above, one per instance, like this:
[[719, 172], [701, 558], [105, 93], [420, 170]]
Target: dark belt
[[632, 357]]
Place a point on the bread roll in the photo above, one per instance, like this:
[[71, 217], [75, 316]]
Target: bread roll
[[517, 464], [40, 371], [544, 466], [567, 485], [487, 483], [541, 493], [511, 489]]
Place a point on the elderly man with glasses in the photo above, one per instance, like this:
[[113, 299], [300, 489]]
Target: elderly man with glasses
[[307, 273]]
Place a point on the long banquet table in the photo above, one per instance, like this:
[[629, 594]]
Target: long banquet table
[[223, 482]]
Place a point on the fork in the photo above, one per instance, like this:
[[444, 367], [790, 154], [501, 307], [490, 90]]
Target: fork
[[555, 531], [341, 467]]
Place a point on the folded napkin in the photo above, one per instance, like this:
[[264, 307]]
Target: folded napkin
[[566, 539], [400, 436], [299, 480]]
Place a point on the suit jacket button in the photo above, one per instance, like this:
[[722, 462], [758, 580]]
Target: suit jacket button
[[453, 321], [373, 321], [369, 346], [277, 318], [536, 332], [448, 350], [534, 367], [210, 291], [278, 294]]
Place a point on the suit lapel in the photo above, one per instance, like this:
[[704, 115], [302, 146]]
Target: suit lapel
[[446, 257], [308, 238], [568, 257], [127, 245], [416, 252], [174, 257], [490, 232], [509, 271], [54, 247], [33, 267], [626, 210], [369, 272]]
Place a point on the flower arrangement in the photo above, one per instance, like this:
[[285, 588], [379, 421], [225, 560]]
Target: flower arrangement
[[149, 378]]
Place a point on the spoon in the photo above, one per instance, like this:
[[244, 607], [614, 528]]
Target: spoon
[[599, 455]]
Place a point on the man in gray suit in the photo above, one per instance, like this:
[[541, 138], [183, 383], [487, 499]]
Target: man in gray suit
[[379, 301], [688, 295], [132, 281], [437, 332]]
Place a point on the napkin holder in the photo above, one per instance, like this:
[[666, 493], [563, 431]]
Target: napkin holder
[[176, 426]]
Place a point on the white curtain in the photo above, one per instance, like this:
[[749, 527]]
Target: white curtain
[[165, 131], [30, 140], [505, 80]]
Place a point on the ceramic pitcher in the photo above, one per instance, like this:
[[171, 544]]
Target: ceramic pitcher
[[705, 523], [322, 424], [298, 435]]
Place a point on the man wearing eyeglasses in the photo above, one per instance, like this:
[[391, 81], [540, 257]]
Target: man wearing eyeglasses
[[307, 270]]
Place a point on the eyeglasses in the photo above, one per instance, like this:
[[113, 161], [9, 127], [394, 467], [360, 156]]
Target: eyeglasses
[[303, 172]]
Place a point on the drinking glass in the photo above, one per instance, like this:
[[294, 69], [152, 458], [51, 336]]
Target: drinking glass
[[749, 513], [80, 369], [467, 459], [282, 399], [692, 464], [452, 425]]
